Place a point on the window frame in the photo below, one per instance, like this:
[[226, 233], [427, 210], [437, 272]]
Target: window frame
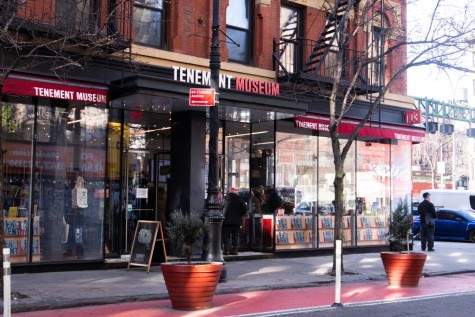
[[248, 32], [161, 24]]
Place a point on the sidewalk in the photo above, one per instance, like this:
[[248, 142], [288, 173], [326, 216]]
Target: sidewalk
[[45, 291]]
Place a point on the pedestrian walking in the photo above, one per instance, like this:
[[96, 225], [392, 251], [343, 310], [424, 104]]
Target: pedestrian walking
[[427, 216], [234, 209]]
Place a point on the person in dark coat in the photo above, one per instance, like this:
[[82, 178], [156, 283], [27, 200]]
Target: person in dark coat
[[234, 209], [427, 215]]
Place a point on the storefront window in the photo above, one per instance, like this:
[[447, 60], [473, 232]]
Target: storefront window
[[326, 193], [374, 191], [297, 187], [237, 147], [70, 147], [400, 173]]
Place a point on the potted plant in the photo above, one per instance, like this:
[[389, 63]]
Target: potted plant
[[400, 224], [403, 267], [191, 284]]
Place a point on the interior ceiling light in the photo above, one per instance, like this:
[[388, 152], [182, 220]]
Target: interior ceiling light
[[245, 134]]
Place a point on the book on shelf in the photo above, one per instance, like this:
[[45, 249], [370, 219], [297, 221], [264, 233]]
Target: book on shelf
[[296, 223], [299, 237], [308, 222], [283, 238], [380, 222], [327, 222], [282, 223], [327, 236], [365, 222]]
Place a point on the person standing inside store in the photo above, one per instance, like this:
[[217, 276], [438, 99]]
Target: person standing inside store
[[234, 209], [427, 216]]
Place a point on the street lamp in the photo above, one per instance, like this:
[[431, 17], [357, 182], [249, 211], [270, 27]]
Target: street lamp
[[213, 204]]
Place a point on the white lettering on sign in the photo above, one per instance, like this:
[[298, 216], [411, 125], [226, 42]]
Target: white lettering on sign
[[95, 98], [413, 117], [404, 137], [313, 125], [408, 137], [69, 95], [200, 77], [53, 93]]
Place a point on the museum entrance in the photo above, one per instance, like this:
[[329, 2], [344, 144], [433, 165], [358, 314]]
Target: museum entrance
[[139, 169]]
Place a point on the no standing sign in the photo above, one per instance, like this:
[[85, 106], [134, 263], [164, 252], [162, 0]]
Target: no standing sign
[[202, 97]]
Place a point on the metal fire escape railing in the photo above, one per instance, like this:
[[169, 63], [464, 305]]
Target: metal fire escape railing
[[312, 62], [326, 40]]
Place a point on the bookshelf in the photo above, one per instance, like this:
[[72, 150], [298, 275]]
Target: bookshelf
[[16, 238], [293, 232]]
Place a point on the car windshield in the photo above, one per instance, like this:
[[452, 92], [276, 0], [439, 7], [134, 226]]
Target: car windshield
[[469, 215]]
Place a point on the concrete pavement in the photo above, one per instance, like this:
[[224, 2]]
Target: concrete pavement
[[44, 291]]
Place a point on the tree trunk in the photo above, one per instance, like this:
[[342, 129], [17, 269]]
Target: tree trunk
[[339, 205]]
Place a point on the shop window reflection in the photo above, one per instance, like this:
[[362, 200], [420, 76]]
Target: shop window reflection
[[58, 154]]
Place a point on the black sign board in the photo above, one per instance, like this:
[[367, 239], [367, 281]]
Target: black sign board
[[146, 234]]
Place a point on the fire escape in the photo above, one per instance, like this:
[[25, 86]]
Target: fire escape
[[326, 42], [304, 63]]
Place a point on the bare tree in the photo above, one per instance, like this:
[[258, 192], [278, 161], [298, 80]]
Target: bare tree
[[64, 35], [441, 42], [450, 149]]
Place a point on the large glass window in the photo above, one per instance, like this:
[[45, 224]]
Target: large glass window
[[237, 145], [148, 22], [289, 33], [50, 147], [238, 29], [374, 190], [297, 188], [400, 173], [326, 193]]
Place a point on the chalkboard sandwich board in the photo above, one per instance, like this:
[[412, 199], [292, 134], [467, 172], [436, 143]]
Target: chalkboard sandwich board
[[143, 245]]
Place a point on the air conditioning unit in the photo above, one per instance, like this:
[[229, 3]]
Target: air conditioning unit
[[446, 129], [431, 127]]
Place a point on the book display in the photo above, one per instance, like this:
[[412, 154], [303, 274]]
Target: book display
[[326, 230], [371, 229], [293, 232], [16, 238]]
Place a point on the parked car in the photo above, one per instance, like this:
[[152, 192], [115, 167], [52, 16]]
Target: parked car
[[304, 208], [451, 224]]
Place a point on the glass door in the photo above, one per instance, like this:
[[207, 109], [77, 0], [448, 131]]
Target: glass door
[[140, 190]]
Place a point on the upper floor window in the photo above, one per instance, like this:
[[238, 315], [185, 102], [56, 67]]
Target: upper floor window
[[148, 22], [76, 15], [238, 28], [376, 52], [288, 50]]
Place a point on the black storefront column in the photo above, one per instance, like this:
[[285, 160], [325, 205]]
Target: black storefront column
[[187, 175]]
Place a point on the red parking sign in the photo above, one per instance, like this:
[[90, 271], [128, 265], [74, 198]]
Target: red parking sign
[[202, 97]]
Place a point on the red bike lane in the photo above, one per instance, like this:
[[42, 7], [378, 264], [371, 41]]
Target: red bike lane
[[277, 300]]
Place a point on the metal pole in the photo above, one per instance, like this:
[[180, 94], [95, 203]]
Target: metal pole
[[213, 200], [338, 275], [6, 283]]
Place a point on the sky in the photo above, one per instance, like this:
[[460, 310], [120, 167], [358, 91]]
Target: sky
[[430, 82]]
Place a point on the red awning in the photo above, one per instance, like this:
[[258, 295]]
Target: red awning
[[347, 126], [37, 86]]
